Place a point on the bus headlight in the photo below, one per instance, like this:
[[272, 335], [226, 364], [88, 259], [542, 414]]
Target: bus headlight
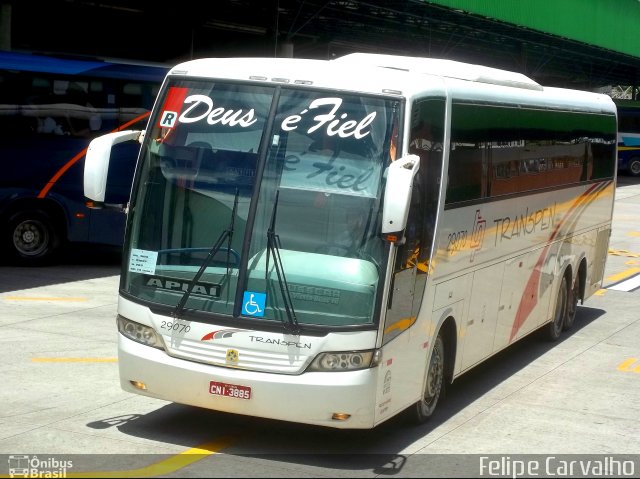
[[139, 333], [345, 361]]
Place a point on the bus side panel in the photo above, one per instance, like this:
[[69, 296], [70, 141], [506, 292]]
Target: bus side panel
[[480, 324], [398, 377], [451, 299], [595, 268], [535, 240], [521, 313]]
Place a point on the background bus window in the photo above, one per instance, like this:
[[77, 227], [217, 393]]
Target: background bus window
[[629, 136], [48, 116]]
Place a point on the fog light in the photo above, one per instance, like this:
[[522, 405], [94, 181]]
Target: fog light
[[340, 416], [138, 384]]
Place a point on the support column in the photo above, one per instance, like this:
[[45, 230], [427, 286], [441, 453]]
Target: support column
[[523, 58], [286, 49], [5, 26]]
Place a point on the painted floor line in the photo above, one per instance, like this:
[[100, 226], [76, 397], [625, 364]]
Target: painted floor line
[[629, 284], [166, 466], [28, 298], [74, 360], [623, 275], [623, 252], [625, 366]]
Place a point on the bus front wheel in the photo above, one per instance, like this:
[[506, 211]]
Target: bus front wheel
[[32, 237], [634, 166], [434, 383]]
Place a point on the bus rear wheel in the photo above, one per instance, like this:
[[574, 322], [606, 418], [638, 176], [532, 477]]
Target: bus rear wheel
[[434, 383], [560, 312], [572, 305], [33, 239]]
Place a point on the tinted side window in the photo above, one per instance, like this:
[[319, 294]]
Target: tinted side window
[[498, 150]]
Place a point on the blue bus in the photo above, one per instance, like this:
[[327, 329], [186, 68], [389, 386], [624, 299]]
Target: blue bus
[[628, 136], [50, 109]]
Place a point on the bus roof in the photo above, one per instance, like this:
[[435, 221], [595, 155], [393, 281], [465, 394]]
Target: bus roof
[[444, 68], [399, 76]]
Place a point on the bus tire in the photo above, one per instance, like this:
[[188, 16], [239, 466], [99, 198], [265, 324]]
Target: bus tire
[[434, 383], [572, 305], [634, 166], [33, 238], [560, 311]]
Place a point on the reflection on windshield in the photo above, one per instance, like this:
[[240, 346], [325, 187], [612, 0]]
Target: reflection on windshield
[[207, 148], [227, 236]]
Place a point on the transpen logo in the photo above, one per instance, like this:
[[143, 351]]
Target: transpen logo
[[477, 235], [222, 333]]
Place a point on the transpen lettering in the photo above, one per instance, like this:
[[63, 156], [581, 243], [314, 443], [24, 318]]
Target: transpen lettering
[[524, 224]]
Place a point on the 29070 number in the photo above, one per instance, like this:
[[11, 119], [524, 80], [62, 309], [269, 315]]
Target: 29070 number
[[175, 326]]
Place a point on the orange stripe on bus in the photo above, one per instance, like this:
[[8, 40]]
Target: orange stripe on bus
[[529, 297], [75, 159]]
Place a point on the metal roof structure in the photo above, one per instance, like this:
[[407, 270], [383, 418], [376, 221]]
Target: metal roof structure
[[173, 32]]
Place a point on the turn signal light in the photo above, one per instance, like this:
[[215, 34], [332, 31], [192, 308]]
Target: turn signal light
[[340, 416], [139, 384]]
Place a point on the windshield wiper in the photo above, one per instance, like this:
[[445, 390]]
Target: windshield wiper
[[226, 234], [273, 248]]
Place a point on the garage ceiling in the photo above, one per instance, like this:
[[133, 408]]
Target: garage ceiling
[[168, 33]]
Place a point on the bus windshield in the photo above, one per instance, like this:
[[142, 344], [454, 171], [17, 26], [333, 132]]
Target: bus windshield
[[262, 203]]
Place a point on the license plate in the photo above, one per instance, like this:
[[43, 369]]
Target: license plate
[[229, 390]]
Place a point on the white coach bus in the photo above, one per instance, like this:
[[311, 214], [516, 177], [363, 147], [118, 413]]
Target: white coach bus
[[334, 242]]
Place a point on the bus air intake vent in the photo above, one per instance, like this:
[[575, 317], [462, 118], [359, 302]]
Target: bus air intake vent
[[444, 68]]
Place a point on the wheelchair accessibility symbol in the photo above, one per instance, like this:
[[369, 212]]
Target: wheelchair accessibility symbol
[[253, 303]]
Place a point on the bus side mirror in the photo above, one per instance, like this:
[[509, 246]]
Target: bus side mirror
[[96, 164], [397, 193]]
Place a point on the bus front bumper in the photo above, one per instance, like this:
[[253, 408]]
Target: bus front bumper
[[309, 398]]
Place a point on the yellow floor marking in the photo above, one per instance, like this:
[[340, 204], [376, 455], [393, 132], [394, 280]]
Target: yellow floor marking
[[625, 366], [634, 233], [74, 360], [28, 298], [623, 252], [624, 274], [166, 466], [600, 292]]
